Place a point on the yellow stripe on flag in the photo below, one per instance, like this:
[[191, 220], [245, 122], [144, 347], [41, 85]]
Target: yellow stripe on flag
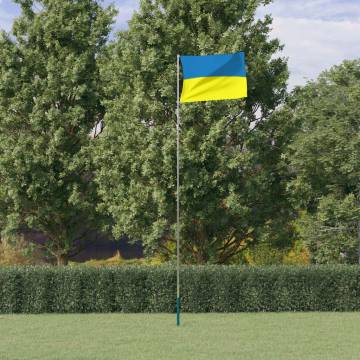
[[213, 88]]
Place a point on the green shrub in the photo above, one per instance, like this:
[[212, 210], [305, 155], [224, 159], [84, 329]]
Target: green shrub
[[129, 288], [15, 250], [82, 289], [11, 290], [161, 289]]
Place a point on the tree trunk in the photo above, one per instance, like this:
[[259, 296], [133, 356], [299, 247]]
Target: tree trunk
[[62, 259]]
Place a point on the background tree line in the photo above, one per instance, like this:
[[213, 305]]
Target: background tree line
[[269, 178]]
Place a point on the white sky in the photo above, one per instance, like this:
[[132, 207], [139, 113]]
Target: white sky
[[317, 34]]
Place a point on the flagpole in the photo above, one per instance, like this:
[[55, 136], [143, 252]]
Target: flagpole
[[178, 195]]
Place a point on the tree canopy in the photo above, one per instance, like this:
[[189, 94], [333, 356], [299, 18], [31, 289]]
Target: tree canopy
[[255, 172], [324, 158], [232, 178], [49, 102]]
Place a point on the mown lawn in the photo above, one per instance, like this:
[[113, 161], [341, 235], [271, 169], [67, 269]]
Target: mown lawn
[[267, 336]]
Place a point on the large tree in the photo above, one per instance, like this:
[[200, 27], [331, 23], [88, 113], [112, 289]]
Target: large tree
[[231, 181], [325, 160], [49, 102]]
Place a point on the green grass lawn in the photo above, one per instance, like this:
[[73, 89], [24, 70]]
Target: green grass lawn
[[267, 336]]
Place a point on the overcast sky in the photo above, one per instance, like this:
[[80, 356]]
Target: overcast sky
[[316, 33]]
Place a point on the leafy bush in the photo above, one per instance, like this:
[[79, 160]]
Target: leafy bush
[[266, 253], [81, 289], [118, 260], [299, 254], [16, 250]]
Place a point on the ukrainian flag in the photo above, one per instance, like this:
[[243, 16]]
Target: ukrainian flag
[[213, 77]]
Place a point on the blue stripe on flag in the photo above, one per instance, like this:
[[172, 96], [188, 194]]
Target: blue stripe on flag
[[213, 65]]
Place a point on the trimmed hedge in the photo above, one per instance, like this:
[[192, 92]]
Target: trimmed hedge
[[37, 289]]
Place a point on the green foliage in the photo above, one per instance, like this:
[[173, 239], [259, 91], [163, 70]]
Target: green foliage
[[118, 260], [232, 177], [16, 250], [49, 102], [264, 254], [299, 254], [324, 157], [203, 288], [331, 232]]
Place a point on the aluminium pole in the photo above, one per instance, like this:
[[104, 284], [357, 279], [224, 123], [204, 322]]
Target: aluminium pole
[[178, 195]]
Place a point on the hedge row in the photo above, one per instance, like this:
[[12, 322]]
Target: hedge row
[[203, 288]]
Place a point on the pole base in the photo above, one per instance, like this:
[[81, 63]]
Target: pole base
[[177, 311]]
